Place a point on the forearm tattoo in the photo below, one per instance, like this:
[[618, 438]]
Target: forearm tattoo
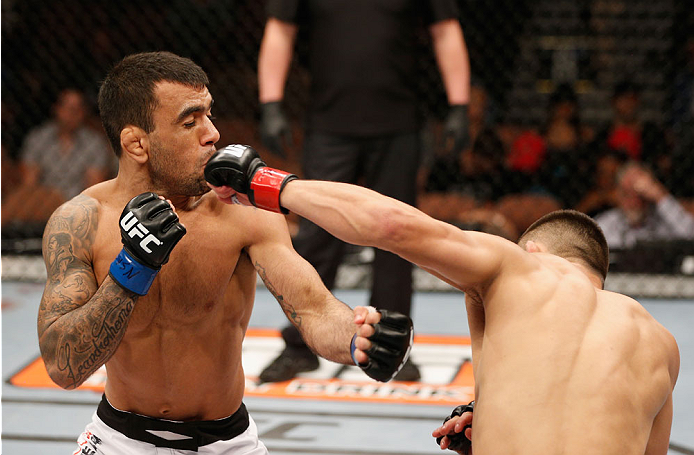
[[80, 325], [286, 306]]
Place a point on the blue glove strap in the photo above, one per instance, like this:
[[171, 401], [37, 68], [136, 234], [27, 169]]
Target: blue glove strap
[[352, 348], [130, 274]]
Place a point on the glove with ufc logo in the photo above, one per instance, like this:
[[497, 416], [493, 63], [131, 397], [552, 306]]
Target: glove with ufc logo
[[149, 230]]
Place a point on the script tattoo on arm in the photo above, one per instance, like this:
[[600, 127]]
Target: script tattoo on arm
[[288, 308], [80, 324]]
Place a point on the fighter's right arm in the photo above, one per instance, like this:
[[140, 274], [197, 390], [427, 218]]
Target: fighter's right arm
[[361, 216], [80, 324], [364, 217]]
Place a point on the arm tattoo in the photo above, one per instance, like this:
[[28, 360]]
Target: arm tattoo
[[287, 307], [96, 330], [80, 325]]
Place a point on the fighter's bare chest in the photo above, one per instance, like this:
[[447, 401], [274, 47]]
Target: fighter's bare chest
[[200, 271]]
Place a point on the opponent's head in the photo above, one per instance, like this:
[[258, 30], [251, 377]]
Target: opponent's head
[[572, 235], [156, 109], [127, 95]]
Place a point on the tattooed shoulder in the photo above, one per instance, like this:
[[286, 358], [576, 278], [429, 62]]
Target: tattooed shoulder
[[69, 234]]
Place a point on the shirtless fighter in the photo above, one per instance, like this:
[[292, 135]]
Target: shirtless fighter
[[561, 366], [167, 310]]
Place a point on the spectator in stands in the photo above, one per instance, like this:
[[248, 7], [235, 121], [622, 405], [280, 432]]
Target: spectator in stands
[[630, 134], [65, 153], [564, 129], [58, 160], [645, 211], [566, 167], [528, 151], [602, 195]]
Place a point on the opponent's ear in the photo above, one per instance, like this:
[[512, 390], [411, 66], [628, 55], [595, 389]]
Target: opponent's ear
[[134, 142], [535, 247]]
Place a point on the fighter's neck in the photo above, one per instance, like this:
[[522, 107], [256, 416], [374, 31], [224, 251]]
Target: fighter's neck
[[592, 276], [135, 184]]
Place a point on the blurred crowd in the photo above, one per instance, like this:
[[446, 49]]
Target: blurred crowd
[[510, 174], [636, 178]]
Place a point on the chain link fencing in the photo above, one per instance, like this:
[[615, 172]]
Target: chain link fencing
[[564, 94]]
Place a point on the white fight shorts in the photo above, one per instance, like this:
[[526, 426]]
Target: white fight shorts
[[115, 432]]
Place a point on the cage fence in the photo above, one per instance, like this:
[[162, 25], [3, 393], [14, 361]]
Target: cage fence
[[564, 94]]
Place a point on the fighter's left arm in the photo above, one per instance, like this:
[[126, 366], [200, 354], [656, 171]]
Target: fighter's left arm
[[378, 341], [326, 324]]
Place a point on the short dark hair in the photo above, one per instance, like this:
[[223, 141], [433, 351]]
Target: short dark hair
[[126, 96], [571, 234]]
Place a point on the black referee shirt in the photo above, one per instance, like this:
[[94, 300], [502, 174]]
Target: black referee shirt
[[362, 57]]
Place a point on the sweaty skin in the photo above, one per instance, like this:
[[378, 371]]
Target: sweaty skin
[[175, 353], [561, 366]]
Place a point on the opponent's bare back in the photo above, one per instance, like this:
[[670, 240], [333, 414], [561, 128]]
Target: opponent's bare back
[[566, 367]]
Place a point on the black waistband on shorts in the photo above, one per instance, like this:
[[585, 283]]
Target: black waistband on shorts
[[173, 434]]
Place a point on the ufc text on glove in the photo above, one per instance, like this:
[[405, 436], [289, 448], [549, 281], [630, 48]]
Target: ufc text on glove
[[149, 231]]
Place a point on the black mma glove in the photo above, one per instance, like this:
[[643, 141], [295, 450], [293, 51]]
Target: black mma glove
[[274, 127], [456, 129], [459, 442], [390, 346], [149, 230], [240, 167]]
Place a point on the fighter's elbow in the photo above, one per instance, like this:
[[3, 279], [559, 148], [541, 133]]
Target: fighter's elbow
[[61, 376], [393, 228], [58, 365]]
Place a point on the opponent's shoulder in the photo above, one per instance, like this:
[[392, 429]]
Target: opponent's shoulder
[[662, 341], [651, 330], [631, 307]]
